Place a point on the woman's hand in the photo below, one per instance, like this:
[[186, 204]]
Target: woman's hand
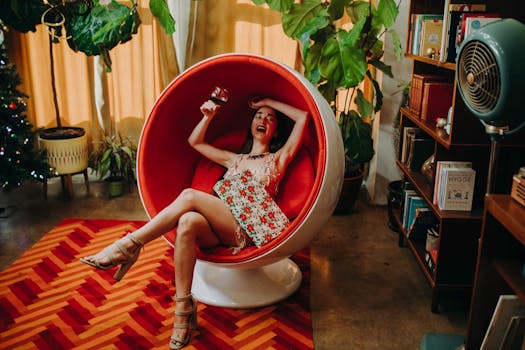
[[210, 109], [257, 102]]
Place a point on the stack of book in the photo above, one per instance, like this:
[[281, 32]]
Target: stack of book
[[454, 185], [416, 215], [430, 96], [452, 14]]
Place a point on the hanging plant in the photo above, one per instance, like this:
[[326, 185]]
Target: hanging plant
[[93, 27]]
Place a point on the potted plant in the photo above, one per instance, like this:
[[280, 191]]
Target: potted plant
[[338, 61], [114, 161], [93, 27]]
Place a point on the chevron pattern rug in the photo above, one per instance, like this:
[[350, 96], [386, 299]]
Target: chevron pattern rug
[[49, 300]]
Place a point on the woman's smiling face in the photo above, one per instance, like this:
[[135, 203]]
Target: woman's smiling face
[[264, 124]]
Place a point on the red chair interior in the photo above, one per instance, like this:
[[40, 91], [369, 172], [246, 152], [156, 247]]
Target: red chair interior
[[166, 164]]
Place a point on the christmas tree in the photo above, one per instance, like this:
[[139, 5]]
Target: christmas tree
[[19, 158]]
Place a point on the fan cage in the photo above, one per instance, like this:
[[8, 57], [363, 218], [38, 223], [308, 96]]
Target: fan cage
[[479, 77]]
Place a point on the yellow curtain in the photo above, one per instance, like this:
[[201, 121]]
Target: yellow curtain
[[142, 67]]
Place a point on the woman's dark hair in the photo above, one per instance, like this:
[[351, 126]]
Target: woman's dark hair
[[278, 140]]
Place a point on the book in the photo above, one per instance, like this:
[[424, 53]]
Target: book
[[472, 23], [432, 237], [415, 202], [508, 306], [445, 164], [460, 30], [424, 219], [416, 90], [436, 101], [447, 10], [408, 134], [415, 31], [419, 151], [406, 201], [457, 189], [430, 37]]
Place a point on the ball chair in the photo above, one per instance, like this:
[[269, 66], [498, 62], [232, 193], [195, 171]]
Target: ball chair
[[308, 193]]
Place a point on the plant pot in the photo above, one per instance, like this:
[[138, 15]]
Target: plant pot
[[66, 149], [115, 186], [394, 200], [349, 194]]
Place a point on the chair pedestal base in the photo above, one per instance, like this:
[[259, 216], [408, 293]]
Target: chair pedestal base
[[245, 288]]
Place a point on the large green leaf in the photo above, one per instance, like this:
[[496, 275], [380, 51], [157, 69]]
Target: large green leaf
[[282, 6], [341, 61], [382, 66], [397, 44], [336, 8], [159, 9], [301, 16], [359, 147], [103, 28], [387, 10], [378, 93], [364, 107], [358, 10]]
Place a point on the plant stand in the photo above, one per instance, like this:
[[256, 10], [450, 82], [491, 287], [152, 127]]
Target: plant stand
[[69, 157]]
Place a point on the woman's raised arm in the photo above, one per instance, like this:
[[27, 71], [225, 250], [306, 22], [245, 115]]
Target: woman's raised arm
[[197, 138]]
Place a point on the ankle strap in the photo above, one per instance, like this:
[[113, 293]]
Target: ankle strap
[[184, 298], [135, 240]]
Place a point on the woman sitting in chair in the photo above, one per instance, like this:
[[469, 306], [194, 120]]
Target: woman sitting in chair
[[206, 220]]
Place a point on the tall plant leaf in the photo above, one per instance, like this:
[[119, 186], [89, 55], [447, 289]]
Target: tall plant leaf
[[282, 6], [159, 9], [358, 143], [341, 62], [301, 15], [387, 10], [103, 28], [358, 10], [336, 8]]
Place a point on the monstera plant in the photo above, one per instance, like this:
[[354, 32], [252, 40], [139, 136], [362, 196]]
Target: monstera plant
[[342, 46]]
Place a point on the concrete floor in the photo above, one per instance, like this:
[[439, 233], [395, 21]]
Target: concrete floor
[[366, 292]]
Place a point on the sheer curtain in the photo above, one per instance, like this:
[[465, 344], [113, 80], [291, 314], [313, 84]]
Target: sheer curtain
[[141, 68]]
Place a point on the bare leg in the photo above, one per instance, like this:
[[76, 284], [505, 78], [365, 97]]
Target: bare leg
[[192, 227], [221, 222]]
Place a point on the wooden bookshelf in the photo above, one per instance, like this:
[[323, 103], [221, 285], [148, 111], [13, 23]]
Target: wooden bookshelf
[[500, 261], [466, 140]]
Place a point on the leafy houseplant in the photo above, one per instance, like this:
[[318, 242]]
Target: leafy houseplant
[[339, 60], [93, 27], [114, 160]]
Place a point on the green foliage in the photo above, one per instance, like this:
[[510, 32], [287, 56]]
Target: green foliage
[[93, 27], [114, 158], [19, 158], [102, 28], [336, 59]]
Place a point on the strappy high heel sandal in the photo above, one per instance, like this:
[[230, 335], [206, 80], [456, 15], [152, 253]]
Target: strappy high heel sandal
[[109, 251], [191, 323]]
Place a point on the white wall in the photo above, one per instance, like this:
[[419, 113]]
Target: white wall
[[383, 167]]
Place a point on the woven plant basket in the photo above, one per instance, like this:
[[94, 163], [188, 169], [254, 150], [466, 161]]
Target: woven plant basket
[[67, 156]]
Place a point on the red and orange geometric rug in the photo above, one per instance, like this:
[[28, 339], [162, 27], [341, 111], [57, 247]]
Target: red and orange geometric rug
[[49, 300]]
